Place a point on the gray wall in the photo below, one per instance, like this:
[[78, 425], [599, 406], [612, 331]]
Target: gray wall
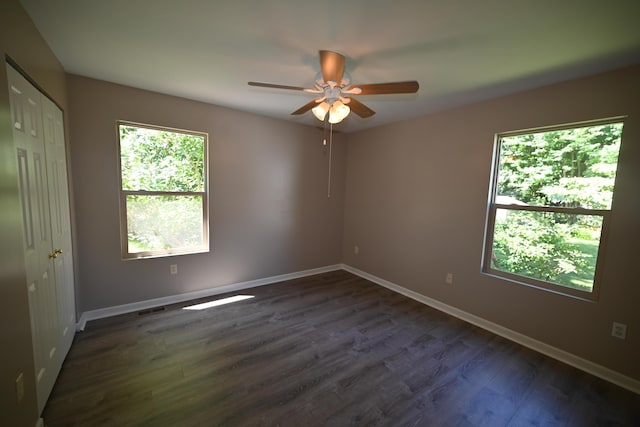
[[416, 201], [269, 211], [19, 40]]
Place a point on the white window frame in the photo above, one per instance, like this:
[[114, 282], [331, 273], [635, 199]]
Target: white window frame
[[124, 241], [492, 208]]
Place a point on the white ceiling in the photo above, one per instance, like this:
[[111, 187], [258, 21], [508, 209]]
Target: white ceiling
[[460, 51]]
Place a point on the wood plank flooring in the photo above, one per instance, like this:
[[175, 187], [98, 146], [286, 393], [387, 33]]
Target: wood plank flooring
[[327, 350]]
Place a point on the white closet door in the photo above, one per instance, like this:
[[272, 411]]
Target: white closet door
[[49, 300], [60, 219]]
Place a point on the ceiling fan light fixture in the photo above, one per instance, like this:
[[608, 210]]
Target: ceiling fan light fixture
[[333, 85], [338, 112], [321, 110]]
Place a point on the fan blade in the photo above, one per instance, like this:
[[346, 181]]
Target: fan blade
[[351, 91], [388, 88], [306, 107], [359, 108], [274, 86], [332, 65]]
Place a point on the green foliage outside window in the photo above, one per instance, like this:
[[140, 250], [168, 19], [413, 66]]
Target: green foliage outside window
[[547, 247], [163, 178], [159, 160], [163, 222], [573, 168]]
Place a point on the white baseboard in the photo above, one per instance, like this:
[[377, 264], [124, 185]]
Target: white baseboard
[[539, 346], [102, 313]]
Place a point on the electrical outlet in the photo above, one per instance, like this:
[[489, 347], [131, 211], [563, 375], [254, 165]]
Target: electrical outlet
[[449, 279], [173, 268], [20, 387], [356, 250], [619, 330]]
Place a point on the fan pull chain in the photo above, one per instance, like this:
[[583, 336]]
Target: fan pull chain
[[330, 145], [324, 132]]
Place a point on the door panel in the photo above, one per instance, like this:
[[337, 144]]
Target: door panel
[[50, 299], [60, 218]]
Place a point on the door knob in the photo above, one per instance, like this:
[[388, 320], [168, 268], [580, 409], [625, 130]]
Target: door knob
[[53, 255]]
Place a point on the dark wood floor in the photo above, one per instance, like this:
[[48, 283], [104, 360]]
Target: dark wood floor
[[328, 350]]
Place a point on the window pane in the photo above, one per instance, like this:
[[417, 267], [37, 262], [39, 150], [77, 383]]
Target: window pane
[[161, 160], [569, 168], [163, 222], [548, 246]]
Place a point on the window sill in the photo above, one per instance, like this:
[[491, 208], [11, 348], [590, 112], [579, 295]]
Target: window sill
[[555, 289]]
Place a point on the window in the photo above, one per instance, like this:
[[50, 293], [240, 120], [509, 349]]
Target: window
[[550, 205], [163, 191]]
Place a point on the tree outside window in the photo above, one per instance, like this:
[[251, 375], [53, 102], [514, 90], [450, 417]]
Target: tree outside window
[[550, 206], [163, 178]]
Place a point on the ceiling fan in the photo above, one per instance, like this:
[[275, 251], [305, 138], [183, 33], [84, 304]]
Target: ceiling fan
[[334, 89]]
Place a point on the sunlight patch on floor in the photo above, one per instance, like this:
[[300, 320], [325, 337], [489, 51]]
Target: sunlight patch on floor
[[218, 302]]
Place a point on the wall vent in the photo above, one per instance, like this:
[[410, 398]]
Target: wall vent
[[151, 311]]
